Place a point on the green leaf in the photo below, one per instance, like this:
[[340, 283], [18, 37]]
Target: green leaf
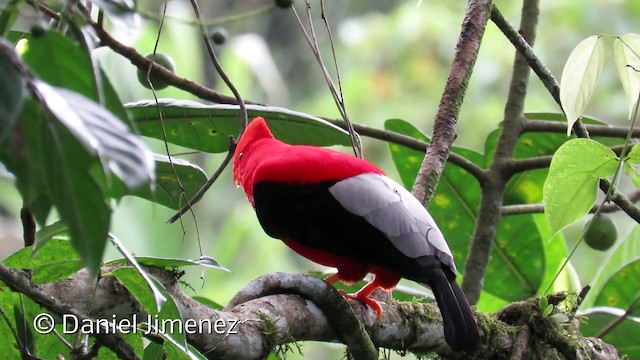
[[55, 261], [76, 195], [56, 172], [148, 284], [570, 189], [621, 336], [58, 230], [625, 252], [166, 190], [621, 290], [60, 62], [140, 285], [543, 302], [580, 76], [204, 261], [56, 60], [517, 264], [8, 15], [25, 157], [101, 133], [625, 50], [208, 127], [12, 86], [153, 351], [631, 162], [176, 350], [208, 302]]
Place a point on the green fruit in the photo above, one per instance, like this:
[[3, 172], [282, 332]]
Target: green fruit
[[284, 3], [218, 35], [161, 59], [38, 29], [602, 234]]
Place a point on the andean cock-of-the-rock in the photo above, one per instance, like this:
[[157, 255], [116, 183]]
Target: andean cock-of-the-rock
[[344, 212]]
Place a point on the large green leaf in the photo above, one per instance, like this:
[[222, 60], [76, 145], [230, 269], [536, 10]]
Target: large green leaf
[[53, 168], [55, 261], [625, 252], [208, 127], [625, 50], [56, 60], [623, 336], [517, 264], [12, 86], [622, 290], [166, 190], [172, 263], [21, 312], [138, 286], [145, 284], [100, 132], [25, 157], [580, 76], [570, 189], [76, 195]]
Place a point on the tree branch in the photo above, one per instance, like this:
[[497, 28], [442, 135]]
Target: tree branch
[[19, 281], [325, 296], [444, 127], [162, 73], [594, 130], [521, 209], [512, 166], [526, 51], [493, 189], [251, 329], [411, 143]]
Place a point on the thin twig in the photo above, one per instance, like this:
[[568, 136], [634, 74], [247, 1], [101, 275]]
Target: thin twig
[[412, 143], [28, 227], [183, 191], [444, 127], [612, 325], [594, 130], [160, 72], [323, 15], [521, 209], [315, 49], [217, 21], [513, 166], [243, 115], [207, 185]]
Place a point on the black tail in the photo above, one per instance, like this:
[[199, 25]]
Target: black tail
[[460, 328]]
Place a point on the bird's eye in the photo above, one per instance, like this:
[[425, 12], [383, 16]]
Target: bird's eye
[[240, 156]]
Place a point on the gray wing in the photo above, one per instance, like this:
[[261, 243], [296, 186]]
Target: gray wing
[[394, 211]]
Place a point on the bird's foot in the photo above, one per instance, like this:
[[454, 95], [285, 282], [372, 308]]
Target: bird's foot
[[373, 304]]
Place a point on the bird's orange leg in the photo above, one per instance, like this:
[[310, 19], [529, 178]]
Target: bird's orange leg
[[363, 296]]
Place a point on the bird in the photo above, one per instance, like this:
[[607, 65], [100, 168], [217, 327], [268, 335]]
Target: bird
[[342, 211]]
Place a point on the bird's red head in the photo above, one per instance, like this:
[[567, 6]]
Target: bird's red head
[[256, 130]]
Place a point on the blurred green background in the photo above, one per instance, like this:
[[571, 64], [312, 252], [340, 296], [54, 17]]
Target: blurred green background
[[394, 58]]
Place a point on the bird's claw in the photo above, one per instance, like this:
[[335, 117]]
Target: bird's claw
[[373, 304]]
